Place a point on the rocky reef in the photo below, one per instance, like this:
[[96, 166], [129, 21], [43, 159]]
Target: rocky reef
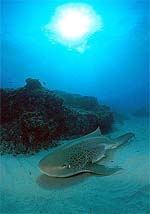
[[33, 117]]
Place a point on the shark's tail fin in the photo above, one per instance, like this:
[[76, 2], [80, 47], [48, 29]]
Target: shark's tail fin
[[123, 139]]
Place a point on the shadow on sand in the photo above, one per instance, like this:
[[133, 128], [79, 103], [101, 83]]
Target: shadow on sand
[[47, 182]]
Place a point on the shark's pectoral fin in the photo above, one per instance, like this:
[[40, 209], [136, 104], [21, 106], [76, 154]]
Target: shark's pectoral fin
[[101, 169]]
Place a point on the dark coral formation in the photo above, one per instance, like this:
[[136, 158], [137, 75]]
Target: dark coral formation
[[88, 113], [32, 117]]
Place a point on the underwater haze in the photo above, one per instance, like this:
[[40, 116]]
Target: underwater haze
[[95, 48], [114, 67]]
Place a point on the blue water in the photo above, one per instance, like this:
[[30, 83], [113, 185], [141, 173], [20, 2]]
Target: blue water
[[114, 68]]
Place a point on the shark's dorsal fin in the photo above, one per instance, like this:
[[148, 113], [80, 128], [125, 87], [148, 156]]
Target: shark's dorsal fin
[[98, 131], [95, 133]]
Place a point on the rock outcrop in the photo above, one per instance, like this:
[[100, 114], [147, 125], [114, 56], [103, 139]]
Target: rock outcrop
[[33, 117]]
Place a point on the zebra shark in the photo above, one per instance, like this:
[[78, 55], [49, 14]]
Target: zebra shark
[[82, 155]]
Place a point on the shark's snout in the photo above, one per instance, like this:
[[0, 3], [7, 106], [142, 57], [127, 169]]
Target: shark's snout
[[42, 166]]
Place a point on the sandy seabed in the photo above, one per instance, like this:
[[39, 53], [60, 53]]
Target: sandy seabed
[[23, 188]]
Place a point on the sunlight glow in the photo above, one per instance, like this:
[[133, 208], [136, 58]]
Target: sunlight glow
[[72, 25]]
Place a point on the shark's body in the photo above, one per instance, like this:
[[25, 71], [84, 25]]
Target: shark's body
[[81, 155]]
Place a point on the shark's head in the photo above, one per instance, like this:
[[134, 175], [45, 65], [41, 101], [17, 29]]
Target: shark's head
[[56, 165]]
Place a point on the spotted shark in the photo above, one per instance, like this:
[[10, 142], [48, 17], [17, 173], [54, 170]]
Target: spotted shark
[[82, 155]]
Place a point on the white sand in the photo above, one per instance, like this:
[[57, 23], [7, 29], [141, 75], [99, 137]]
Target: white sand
[[25, 190]]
